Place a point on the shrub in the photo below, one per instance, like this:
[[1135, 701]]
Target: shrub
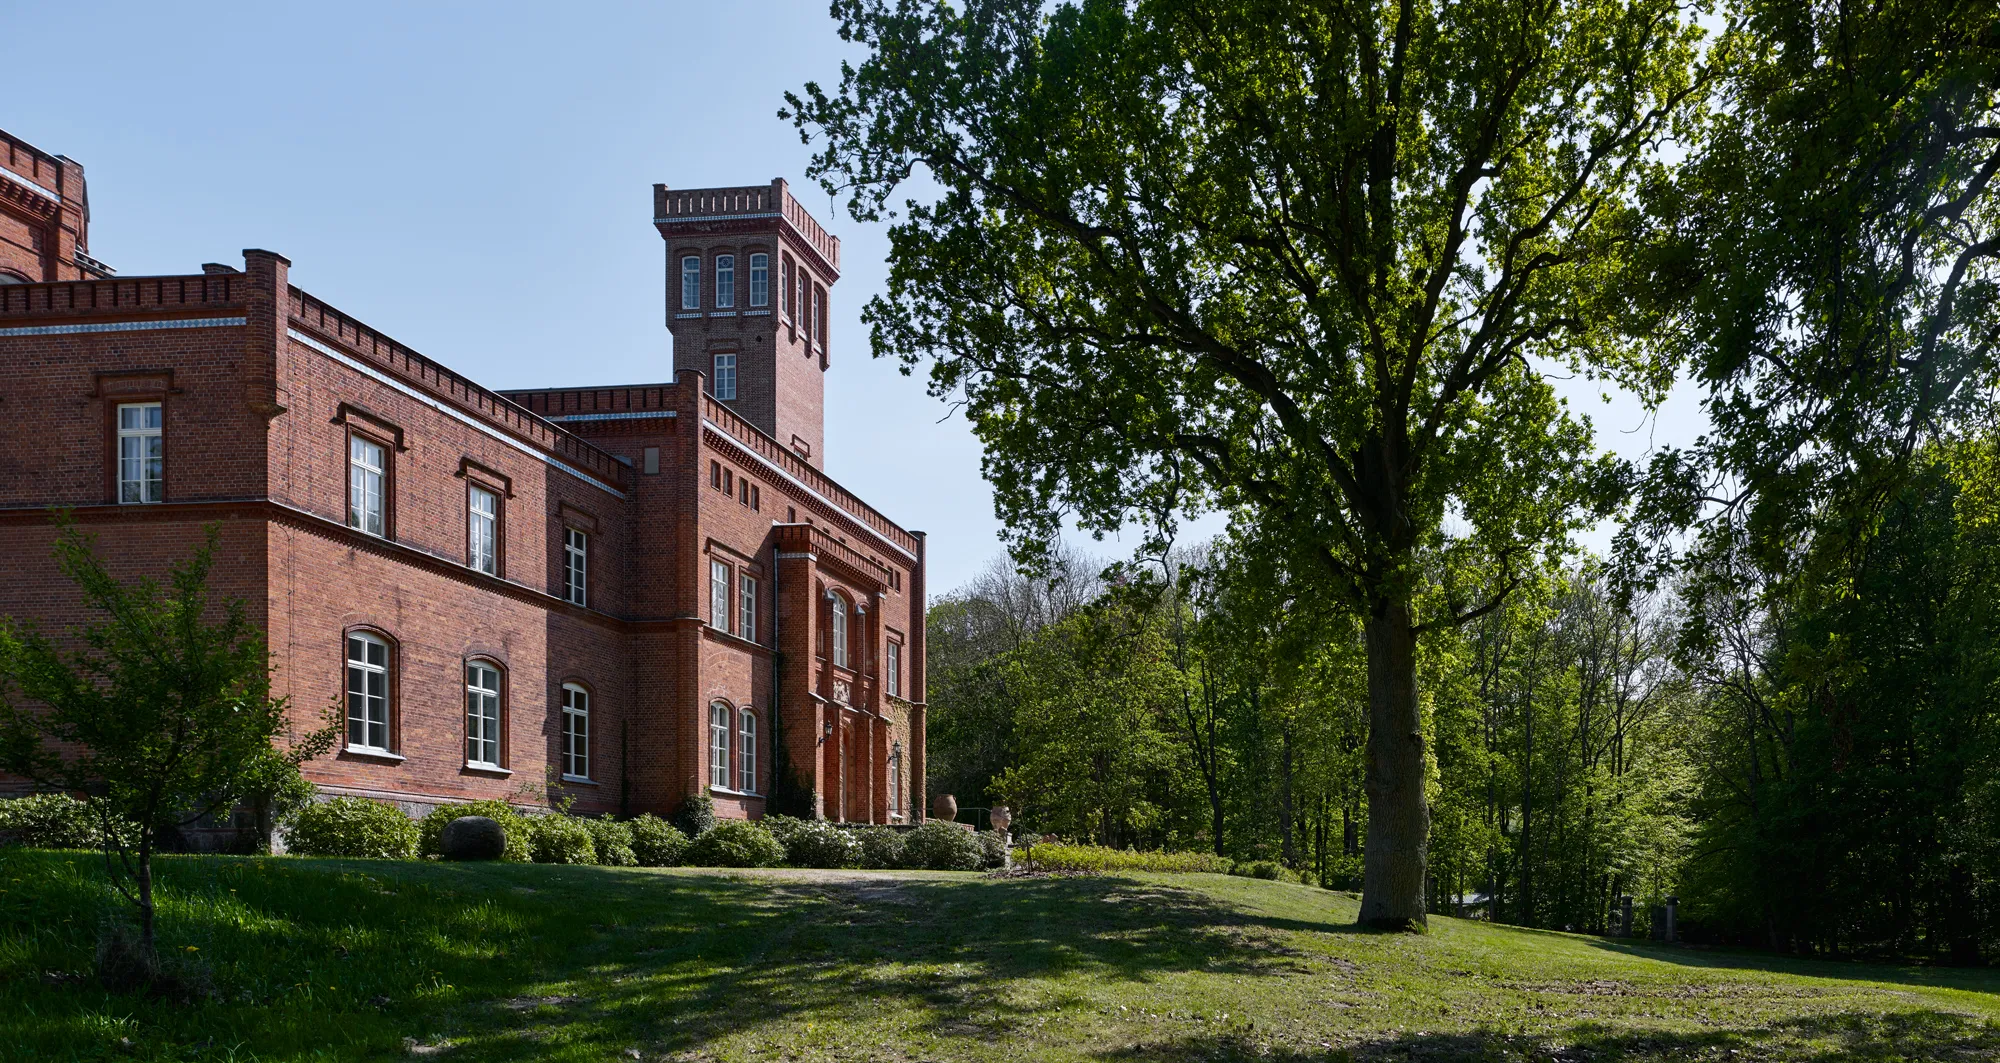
[[992, 849], [657, 843], [1056, 856], [881, 847], [1268, 870], [559, 838], [735, 843], [940, 846], [697, 816], [430, 829], [50, 821], [352, 826], [813, 843], [613, 841]]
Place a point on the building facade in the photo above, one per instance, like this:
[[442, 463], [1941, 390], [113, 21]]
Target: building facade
[[621, 596]]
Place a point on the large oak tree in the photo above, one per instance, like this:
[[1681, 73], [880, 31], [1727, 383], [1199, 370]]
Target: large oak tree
[[1312, 261]]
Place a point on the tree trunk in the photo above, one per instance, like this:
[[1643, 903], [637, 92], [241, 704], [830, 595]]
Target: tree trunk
[[1399, 819]]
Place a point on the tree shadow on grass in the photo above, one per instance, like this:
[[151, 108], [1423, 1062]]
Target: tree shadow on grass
[[1850, 1037], [1970, 979]]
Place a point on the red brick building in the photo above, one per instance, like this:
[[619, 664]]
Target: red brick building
[[618, 595]]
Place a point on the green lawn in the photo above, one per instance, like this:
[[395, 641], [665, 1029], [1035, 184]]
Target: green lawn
[[327, 959]]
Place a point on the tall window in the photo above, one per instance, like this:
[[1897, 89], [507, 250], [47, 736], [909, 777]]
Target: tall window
[[367, 692], [691, 282], [575, 732], [785, 285], [746, 750], [839, 631], [892, 678], [760, 280], [819, 316], [718, 594], [718, 745], [746, 608], [482, 715], [805, 308], [725, 281], [367, 468], [896, 781], [141, 452], [576, 566], [482, 529], [725, 376]]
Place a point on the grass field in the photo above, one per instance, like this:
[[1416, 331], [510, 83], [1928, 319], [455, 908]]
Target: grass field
[[348, 960]]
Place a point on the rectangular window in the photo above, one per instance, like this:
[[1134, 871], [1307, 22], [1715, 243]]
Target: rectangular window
[[576, 566], [482, 715], [746, 751], [482, 548], [725, 376], [892, 675], [718, 594], [691, 283], [367, 693], [718, 745], [819, 316], [756, 498], [743, 491], [576, 732], [728, 481], [715, 475], [760, 280], [896, 782], [367, 476], [785, 286], [746, 609], [725, 281], [839, 626], [141, 453]]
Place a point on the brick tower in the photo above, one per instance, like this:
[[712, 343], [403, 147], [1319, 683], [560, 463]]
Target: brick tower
[[44, 217], [747, 276]]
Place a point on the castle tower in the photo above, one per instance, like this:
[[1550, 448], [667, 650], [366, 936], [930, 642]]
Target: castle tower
[[747, 277], [44, 217]]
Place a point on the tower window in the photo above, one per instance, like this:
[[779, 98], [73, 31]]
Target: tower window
[[725, 369], [691, 282], [785, 285], [718, 595], [760, 280], [725, 281], [718, 744]]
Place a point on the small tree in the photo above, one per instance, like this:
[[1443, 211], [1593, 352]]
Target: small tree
[[161, 711]]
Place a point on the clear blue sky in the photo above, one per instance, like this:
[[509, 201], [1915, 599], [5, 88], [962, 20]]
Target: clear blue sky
[[475, 179]]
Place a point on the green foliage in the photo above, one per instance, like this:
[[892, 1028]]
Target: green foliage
[[881, 848], [430, 829], [992, 849], [657, 843], [1060, 856], [612, 841], [50, 821], [814, 843], [352, 826], [696, 816], [735, 843], [940, 846], [559, 838]]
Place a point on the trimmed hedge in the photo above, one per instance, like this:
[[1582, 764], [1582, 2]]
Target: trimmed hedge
[[814, 843], [881, 847], [1053, 856], [50, 821], [352, 826], [613, 842], [556, 838], [940, 846], [430, 829], [657, 843], [736, 843]]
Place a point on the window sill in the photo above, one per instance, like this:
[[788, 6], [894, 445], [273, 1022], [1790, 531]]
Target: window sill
[[756, 313], [579, 780], [487, 769], [679, 317], [378, 754], [723, 313], [727, 792]]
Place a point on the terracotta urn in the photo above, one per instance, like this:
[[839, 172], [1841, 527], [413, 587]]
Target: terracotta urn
[[944, 807], [1001, 817]]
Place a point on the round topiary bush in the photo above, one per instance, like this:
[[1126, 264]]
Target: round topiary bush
[[735, 843], [49, 821], [430, 829], [881, 847], [613, 842], [814, 843], [352, 826], [696, 816], [473, 838], [556, 838], [657, 843], [940, 846]]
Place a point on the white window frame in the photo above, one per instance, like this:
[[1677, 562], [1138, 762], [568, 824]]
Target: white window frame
[[896, 781], [746, 750], [484, 715], [724, 384], [718, 594], [720, 727], [367, 486], [838, 623], [725, 282], [690, 282], [576, 566], [142, 454], [760, 280], [576, 733], [892, 676], [482, 529], [368, 691], [746, 607]]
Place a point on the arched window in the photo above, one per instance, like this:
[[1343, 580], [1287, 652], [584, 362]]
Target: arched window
[[482, 715], [12, 278], [746, 750], [575, 732], [718, 744], [367, 692], [839, 624]]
